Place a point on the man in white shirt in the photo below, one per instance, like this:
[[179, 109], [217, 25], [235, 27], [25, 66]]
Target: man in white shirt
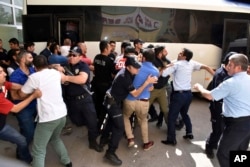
[[51, 112], [181, 96]]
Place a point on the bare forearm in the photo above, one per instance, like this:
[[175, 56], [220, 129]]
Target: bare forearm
[[16, 108]]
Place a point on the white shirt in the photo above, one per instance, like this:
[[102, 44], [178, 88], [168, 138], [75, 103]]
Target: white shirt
[[182, 73], [51, 105]]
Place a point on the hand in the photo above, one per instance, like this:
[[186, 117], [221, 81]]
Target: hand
[[37, 93], [197, 86], [152, 79]]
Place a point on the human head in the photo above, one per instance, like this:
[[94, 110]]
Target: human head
[[132, 65], [83, 47], [138, 43], [185, 54], [226, 58], [13, 53], [148, 55], [161, 52], [55, 48], [29, 46], [75, 55], [237, 63], [14, 43], [67, 42], [124, 45], [40, 62], [129, 50], [25, 58], [112, 45], [2, 76], [104, 47]]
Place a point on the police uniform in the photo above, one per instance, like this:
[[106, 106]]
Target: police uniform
[[122, 85], [80, 105]]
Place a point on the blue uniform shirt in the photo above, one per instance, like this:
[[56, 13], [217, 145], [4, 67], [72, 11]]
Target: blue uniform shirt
[[235, 93], [146, 69]]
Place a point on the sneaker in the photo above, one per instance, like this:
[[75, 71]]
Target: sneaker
[[209, 152], [148, 146], [131, 142], [69, 164]]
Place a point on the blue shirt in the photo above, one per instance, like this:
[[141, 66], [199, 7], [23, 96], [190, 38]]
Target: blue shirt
[[235, 93], [146, 69], [19, 77]]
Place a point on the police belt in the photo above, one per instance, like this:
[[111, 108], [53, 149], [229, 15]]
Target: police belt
[[79, 97]]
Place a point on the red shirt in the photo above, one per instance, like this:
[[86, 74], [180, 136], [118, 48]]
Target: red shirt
[[5, 104]]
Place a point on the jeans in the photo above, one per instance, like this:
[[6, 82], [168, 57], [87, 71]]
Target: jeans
[[12, 135], [49, 132], [26, 123]]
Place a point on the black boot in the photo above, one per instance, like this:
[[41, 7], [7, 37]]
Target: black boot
[[112, 158], [93, 145], [69, 164]]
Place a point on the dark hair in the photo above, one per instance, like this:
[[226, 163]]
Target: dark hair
[[125, 44], [40, 62], [188, 53], [110, 42], [226, 58], [50, 41], [14, 41], [158, 49], [53, 47], [28, 44], [150, 46], [149, 54], [103, 45]]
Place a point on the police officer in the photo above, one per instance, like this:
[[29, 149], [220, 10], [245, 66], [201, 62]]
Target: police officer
[[215, 108], [79, 101], [121, 87]]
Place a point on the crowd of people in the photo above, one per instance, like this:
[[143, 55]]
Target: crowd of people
[[122, 92]]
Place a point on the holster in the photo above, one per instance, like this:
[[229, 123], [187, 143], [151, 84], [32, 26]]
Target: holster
[[108, 101]]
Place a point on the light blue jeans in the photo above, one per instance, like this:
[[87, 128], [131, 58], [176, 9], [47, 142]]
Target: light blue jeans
[[49, 132]]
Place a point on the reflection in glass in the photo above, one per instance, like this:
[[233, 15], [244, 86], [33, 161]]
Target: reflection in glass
[[6, 15], [18, 16], [18, 2]]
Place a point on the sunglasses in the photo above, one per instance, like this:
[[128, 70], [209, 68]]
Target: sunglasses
[[70, 55]]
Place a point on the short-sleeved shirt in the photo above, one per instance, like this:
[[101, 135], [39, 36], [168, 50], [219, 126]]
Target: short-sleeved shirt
[[19, 77], [104, 68], [146, 69], [50, 105], [122, 85], [182, 72], [73, 89], [235, 93], [5, 104]]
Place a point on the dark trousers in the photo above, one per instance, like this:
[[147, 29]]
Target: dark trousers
[[82, 111], [99, 90], [236, 136], [179, 103], [115, 126], [217, 125]]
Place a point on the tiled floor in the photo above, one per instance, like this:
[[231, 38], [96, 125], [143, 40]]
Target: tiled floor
[[184, 154]]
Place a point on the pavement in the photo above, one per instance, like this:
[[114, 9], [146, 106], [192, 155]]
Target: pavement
[[187, 153]]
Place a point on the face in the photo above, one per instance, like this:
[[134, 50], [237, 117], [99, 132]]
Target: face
[[180, 56], [31, 48], [113, 45], [13, 46], [108, 49], [28, 60], [74, 58], [232, 68], [248, 70], [132, 70], [2, 76]]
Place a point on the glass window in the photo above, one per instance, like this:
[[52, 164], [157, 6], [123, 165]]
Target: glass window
[[18, 3], [6, 15], [18, 16], [6, 1]]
